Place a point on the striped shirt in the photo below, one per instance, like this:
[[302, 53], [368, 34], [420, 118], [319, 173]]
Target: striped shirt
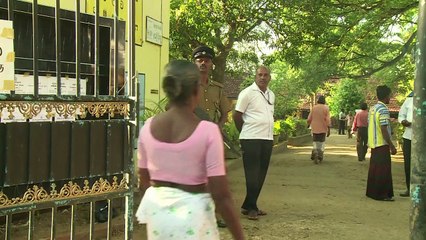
[[377, 117]]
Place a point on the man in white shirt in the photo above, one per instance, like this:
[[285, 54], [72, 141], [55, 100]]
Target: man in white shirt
[[254, 118], [405, 117]]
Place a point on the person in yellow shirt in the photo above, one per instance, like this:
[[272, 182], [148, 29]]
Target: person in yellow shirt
[[379, 183]]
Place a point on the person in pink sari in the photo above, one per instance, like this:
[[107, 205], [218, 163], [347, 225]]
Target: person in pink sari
[[181, 166]]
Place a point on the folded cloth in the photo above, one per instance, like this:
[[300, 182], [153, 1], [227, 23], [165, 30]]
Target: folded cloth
[[176, 214]]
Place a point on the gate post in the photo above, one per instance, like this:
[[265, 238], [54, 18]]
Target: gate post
[[418, 156], [132, 92]]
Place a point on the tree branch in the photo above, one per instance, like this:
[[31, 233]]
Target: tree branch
[[404, 51]]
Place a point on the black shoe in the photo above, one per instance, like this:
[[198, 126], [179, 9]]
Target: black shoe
[[404, 194], [221, 224]]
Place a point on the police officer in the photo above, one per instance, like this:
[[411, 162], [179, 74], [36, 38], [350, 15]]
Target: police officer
[[214, 105], [213, 101]]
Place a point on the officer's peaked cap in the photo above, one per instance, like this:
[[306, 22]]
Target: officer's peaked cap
[[203, 51]]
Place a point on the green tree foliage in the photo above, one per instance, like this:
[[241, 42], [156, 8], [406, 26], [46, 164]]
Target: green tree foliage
[[288, 86], [347, 94], [365, 36], [357, 39], [242, 64], [400, 77], [217, 23]]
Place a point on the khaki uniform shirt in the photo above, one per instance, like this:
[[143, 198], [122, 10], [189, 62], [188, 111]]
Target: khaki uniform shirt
[[213, 101]]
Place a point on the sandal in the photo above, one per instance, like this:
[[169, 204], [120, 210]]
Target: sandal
[[259, 212], [252, 215]]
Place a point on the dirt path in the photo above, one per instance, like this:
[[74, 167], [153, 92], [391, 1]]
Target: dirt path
[[321, 202]]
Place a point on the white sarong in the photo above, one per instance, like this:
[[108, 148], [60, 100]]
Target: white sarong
[[170, 213]]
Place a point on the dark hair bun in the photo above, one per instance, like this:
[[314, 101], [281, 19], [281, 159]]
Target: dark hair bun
[[180, 80], [171, 86]]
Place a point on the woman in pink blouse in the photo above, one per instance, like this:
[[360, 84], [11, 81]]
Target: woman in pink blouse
[[179, 155]]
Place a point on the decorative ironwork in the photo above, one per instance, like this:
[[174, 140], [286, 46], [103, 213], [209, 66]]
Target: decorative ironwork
[[64, 109], [70, 190]]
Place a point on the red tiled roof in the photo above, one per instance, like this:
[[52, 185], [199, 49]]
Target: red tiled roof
[[393, 104], [394, 107]]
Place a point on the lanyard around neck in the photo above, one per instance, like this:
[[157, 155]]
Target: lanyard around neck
[[267, 99]]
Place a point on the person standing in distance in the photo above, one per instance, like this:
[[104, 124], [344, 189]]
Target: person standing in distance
[[405, 117], [214, 104], [254, 119], [342, 122], [360, 125], [349, 122], [379, 182]]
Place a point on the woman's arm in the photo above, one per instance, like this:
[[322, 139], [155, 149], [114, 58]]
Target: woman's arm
[[218, 187], [144, 180]]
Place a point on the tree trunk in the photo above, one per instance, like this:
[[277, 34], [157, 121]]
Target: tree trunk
[[418, 155], [220, 66]]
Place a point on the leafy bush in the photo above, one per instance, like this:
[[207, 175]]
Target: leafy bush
[[347, 94], [397, 132], [231, 132], [301, 127], [286, 130], [157, 107], [290, 127], [277, 127]]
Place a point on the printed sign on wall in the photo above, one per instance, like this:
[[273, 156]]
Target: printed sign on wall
[[7, 57], [24, 84], [154, 31]]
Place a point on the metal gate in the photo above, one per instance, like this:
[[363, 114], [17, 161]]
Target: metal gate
[[67, 123]]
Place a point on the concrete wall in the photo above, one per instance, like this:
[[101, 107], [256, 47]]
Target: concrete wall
[[65, 4], [151, 58]]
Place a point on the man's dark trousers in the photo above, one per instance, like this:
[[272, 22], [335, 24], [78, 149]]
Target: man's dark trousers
[[406, 149], [256, 157], [362, 143], [341, 127]]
